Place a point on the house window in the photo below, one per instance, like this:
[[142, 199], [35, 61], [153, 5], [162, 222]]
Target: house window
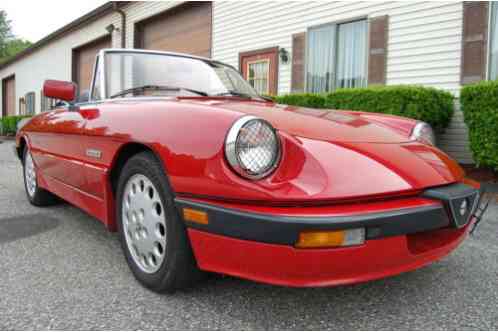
[[258, 73], [493, 42], [46, 103], [43, 102], [22, 106], [30, 103], [337, 56]]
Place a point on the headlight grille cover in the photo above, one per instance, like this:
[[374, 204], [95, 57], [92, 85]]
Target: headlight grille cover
[[423, 131], [252, 147]]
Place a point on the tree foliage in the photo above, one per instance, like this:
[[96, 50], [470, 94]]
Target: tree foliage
[[9, 44]]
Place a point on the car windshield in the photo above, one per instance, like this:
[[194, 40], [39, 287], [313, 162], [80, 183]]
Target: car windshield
[[155, 74]]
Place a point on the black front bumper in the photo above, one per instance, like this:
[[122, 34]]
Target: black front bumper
[[285, 230]]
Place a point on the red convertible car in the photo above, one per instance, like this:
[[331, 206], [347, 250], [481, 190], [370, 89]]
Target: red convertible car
[[197, 172]]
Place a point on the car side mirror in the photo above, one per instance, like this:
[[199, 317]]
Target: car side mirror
[[59, 90]]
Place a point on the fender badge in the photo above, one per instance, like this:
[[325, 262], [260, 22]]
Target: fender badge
[[93, 153]]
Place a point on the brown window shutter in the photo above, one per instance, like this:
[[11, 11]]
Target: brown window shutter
[[474, 41], [298, 62], [377, 53]]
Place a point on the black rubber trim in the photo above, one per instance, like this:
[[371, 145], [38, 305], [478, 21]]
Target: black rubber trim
[[285, 230], [453, 196]]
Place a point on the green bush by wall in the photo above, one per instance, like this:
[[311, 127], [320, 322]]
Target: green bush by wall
[[422, 103], [480, 108], [8, 124]]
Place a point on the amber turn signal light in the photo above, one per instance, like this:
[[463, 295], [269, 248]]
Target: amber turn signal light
[[196, 216], [324, 239]]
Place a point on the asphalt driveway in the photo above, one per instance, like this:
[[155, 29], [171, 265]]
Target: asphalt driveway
[[60, 269]]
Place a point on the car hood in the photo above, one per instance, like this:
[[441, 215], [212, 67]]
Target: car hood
[[336, 155], [319, 124], [327, 155]]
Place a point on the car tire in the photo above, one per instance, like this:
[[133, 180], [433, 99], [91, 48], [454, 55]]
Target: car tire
[[37, 196], [153, 237]]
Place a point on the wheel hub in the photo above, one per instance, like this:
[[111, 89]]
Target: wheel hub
[[30, 175], [144, 223]]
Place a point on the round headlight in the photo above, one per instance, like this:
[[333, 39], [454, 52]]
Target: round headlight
[[423, 132], [252, 147]]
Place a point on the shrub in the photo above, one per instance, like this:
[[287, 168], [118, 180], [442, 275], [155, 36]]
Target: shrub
[[8, 124], [480, 108], [304, 100], [422, 103]]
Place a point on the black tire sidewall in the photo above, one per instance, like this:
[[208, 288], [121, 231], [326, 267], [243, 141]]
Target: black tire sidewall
[[41, 197], [176, 243]]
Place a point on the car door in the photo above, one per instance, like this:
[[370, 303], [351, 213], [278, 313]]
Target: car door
[[99, 150], [56, 146], [98, 146]]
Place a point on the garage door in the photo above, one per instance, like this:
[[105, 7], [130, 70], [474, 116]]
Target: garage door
[[9, 96], [184, 29], [84, 59]]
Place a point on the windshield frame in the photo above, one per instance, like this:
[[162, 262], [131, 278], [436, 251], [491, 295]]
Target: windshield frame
[[99, 65]]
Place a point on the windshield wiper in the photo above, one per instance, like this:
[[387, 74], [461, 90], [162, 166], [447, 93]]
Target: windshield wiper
[[156, 88], [234, 93], [242, 94]]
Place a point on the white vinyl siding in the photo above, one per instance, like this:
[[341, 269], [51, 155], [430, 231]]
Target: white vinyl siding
[[424, 37]]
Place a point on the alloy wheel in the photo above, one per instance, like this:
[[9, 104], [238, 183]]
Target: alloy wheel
[[144, 223], [30, 175]]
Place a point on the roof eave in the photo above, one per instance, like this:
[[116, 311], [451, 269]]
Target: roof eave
[[89, 17]]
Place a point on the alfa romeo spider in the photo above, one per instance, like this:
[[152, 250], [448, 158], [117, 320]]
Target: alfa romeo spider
[[197, 172]]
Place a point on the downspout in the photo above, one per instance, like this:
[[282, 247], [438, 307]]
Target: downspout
[[123, 23]]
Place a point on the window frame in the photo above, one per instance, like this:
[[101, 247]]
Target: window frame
[[335, 51], [265, 60], [22, 105], [101, 55], [30, 100], [98, 66]]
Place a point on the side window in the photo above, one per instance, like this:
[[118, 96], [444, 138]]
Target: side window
[[46, 104], [258, 74], [22, 106], [337, 56], [96, 81], [43, 102], [30, 103]]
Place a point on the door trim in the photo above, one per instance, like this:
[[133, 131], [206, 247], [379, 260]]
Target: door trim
[[274, 50], [4, 93]]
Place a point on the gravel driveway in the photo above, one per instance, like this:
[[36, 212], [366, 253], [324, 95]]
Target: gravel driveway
[[60, 269]]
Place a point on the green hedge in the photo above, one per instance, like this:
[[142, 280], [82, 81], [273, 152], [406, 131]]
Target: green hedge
[[422, 103], [8, 124], [480, 108]]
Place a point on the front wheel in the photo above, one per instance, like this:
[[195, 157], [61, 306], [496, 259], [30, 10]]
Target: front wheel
[[36, 195], [153, 238]]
